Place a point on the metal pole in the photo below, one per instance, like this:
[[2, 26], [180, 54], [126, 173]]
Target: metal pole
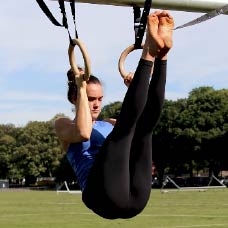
[[202, 6]]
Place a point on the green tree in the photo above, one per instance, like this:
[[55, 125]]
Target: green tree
[[186, 123], [111, 110]]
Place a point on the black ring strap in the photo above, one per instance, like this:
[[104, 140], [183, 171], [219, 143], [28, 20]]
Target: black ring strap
[[140, 23], [64, 23]]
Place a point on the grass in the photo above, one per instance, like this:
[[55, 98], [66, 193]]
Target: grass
[[47, 209]]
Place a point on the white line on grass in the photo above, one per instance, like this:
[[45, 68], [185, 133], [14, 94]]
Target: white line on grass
[[206, 225], [179, 215], [90, 213], [141, 215]]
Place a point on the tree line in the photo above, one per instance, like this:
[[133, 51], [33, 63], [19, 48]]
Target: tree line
[[191, 136]]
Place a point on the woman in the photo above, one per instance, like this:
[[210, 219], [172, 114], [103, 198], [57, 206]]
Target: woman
[[113, 164]]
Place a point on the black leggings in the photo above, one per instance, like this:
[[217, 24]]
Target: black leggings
[[119, 183]]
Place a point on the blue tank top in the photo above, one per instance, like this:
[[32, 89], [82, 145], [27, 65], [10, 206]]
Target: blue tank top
[[81, 155]]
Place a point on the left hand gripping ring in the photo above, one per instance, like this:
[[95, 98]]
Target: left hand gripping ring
[[85, 55]]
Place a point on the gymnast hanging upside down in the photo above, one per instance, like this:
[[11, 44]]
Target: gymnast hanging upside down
[[113, 162]]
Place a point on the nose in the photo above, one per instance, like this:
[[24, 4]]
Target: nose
[[96, 104]]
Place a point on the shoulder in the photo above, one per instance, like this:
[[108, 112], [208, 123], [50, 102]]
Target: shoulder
[[110, 120], [61, 122], [103, 124], [101, 128], [59, 126]]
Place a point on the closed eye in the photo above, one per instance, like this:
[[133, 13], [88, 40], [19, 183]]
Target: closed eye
[[95, 98]]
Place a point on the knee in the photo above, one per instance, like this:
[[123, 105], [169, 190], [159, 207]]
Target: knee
[[119, 200], [127, 204]]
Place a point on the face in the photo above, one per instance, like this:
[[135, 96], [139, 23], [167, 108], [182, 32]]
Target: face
[[95, 96]]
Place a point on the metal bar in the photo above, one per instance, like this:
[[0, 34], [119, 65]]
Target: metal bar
[[202, 6]]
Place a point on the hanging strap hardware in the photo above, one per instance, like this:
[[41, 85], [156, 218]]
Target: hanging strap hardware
[[140, 22], [73, 42], [205, 17], [64, 23]]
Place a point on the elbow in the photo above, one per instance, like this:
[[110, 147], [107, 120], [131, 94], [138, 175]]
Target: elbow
[[85, 136]]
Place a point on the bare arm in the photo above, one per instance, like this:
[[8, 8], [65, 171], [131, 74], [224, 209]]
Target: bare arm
[[80, 129]]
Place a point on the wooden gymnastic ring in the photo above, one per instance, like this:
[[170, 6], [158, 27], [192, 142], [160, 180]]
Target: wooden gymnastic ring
[[122, 58], [85, 55]]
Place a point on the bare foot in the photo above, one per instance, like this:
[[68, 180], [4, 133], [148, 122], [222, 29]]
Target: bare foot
[[165, 30], [153, 40]]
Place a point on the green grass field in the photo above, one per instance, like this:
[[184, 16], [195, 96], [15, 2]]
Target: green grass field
[[47, 209]]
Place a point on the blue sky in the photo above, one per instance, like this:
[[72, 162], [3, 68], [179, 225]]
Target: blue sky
[[34, 60]]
